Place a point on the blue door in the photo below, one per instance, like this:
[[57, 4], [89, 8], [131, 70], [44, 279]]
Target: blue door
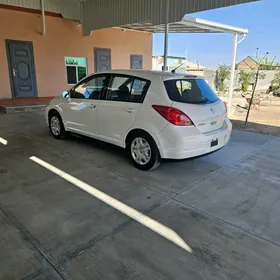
[[21, 68]]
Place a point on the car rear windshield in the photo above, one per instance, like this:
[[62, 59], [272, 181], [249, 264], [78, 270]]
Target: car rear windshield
[[194, 91]]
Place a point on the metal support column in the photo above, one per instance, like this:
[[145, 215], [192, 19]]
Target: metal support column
[[166, 35], [232, 73], [43, 18], [165, 47]]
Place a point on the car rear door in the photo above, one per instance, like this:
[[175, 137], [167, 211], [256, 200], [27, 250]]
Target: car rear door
[[119, 107], [198, 101]]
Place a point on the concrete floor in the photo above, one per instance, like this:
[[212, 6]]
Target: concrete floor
[[225, 206]]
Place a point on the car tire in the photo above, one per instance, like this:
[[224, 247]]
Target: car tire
[[56, 125], [143, 151]]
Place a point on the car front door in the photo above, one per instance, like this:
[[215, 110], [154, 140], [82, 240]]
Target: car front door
[[119, 106], [81, 107]]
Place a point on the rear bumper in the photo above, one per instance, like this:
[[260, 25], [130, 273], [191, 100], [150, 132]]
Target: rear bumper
[[181, 143]]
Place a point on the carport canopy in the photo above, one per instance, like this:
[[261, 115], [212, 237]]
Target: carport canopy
[[98, 14], [161, 16], [194, 25]]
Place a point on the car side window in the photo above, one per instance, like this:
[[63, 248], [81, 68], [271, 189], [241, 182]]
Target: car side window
[[119, 89], [90, 88], [127, 89], [139, 89]]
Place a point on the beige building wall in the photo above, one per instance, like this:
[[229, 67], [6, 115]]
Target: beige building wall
[[247, 64], [64, 38]]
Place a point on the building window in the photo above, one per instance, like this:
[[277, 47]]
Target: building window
[[76, 69]]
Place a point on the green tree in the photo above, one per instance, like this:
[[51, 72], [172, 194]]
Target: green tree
[[276, 81], [223, 74], [248, 77], [245, 79], [262, 76]]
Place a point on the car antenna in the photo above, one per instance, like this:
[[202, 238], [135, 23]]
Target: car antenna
[[174, 70]]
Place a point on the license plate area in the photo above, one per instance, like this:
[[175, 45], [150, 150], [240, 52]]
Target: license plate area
[[214, 143]]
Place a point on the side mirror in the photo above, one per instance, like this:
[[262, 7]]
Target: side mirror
[[65, 94]]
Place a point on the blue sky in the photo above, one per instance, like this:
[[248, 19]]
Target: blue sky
[[262, 19]]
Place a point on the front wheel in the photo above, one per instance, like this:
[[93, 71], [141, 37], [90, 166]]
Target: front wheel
[[56, 126], [143, 151]]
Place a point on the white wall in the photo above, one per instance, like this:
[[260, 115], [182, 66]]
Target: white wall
[[262, 85]]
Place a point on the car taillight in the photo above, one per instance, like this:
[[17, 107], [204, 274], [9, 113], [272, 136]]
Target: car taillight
[[173, 115]]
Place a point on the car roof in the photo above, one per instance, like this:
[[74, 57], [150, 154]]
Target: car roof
[[148, 74]]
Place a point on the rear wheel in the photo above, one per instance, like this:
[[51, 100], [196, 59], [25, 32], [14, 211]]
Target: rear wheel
[[56, 125], [143, 151]]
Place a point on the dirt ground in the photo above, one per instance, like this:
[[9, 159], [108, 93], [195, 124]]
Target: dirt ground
[[265, 119]]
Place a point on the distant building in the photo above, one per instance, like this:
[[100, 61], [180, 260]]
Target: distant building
[[253, 62], [175, 61], [187, 66]]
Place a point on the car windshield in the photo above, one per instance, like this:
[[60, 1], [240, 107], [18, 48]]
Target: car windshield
[[194, 91]]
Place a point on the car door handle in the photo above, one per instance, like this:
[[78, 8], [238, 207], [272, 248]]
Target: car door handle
[[92, 106], [129, 110]]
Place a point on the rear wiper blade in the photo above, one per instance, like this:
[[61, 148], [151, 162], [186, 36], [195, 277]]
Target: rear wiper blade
[[197, 102], [202, 101], [206, 99]]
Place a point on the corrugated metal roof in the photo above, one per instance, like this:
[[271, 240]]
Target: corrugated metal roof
[[67, 8], [99, 14], [146, 15]]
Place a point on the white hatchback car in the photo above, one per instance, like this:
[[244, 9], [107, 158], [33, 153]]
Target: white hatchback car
[[154, 115]]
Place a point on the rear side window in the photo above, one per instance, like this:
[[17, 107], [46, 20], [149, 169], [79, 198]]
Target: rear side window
[[119, 89], [138, 91], [127, 89], [194, 91]]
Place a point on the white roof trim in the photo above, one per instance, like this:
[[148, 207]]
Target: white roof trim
[[187, 25], [213, 26]]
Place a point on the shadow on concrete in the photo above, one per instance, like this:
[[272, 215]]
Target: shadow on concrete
[[118, 151], [97, 144], [256, 127]]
